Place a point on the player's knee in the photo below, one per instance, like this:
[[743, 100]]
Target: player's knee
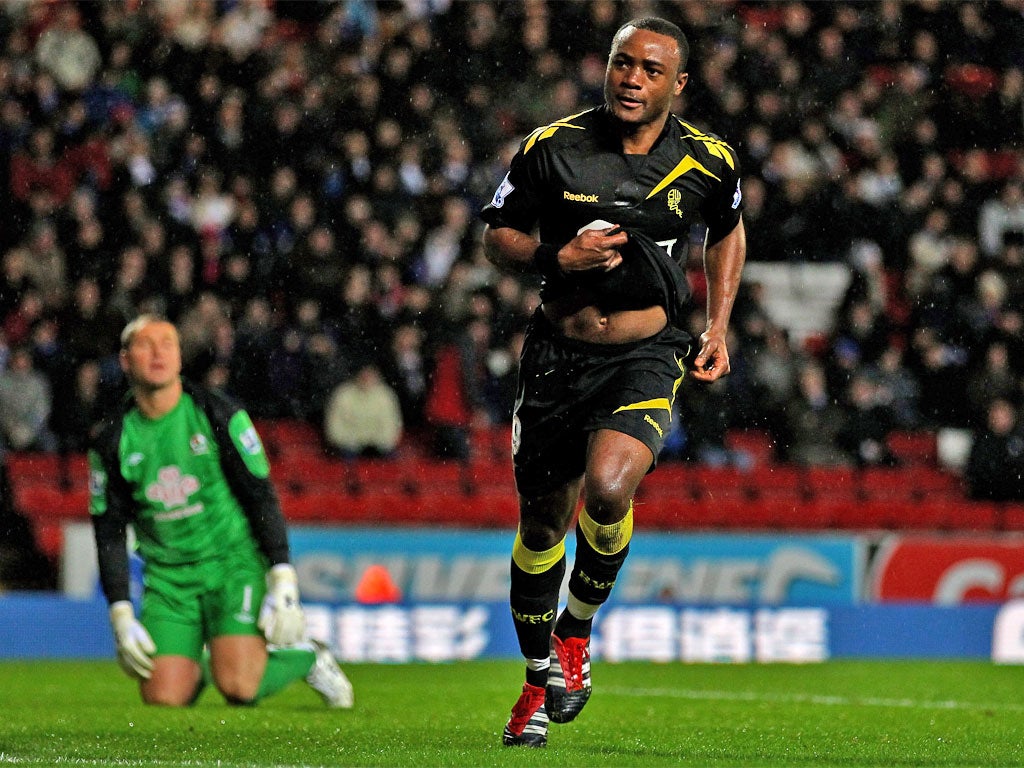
[[608, 499], [539, 537], [238, 690], [166, 698]]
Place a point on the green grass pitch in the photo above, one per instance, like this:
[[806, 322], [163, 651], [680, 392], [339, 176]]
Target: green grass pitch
[[846, 714]]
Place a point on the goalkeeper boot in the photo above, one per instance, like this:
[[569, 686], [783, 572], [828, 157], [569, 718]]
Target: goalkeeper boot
[[569, 678], [328, 680], [528, 725]]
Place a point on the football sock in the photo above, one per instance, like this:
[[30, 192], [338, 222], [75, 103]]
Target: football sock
[[600, 552], [537, 671], [536, 579], [285, 665], [576, 620]]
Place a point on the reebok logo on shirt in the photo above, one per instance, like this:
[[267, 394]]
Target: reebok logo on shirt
[[579, 198]]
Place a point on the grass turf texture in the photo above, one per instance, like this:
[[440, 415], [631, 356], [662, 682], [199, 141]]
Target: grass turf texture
[[836, 714]]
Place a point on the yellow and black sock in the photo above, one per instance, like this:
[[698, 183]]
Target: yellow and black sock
[[536, 579], [600, 553]]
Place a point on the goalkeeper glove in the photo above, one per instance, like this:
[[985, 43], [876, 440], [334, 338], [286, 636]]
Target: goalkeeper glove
[[281, 618], [134, 645]]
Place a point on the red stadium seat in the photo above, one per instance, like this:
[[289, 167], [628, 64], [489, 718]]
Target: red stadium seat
[[492, 474], [673, 512], [1011, 516], [839, 483], [307, 472], [722, 483], [41, 502], [886, 483], [864, 515], [755, 443], [26, 468], [930, 482], [672, 477], [778, 481], [914, 448]]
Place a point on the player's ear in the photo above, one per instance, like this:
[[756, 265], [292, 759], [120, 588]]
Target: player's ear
[[681, 80]]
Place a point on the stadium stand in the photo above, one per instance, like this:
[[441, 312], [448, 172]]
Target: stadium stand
[[300, 205]]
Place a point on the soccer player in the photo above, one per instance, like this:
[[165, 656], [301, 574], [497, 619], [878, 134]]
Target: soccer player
[[613, 193], [185, 466]]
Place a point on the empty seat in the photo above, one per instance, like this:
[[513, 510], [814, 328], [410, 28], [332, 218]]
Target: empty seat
[[914, 447], [721, 483], [34, 468], [778, 481], [308, 472], [886, 483], [44, 502], [838, 483]]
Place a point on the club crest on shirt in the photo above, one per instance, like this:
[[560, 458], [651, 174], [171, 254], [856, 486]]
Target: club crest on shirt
[[172, 488], [198, 444], [674, 198]]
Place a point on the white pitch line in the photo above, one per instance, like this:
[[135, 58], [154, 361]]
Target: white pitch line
[[6, 759], [800, 698]]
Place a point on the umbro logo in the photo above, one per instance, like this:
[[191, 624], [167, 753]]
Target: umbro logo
[[134, 459]]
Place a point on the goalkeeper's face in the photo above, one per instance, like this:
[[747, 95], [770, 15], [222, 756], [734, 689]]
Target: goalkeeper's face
[[152, 359]]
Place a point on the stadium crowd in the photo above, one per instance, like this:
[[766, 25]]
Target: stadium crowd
[[296, 185]]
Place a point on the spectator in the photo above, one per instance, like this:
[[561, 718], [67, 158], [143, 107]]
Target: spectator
[[25, 404], [67, 51], [1001, 218], [75, 415], [813, 422], [867, 424], [995, 464], [175, 114], [363, 416], [405, 368]]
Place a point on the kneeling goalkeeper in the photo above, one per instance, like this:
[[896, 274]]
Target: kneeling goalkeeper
[[185, 466]]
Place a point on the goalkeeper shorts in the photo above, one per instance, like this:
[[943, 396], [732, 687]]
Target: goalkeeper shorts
[[184, 606]]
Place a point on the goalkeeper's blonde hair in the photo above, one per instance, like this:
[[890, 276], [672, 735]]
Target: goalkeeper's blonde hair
[[137, 325]]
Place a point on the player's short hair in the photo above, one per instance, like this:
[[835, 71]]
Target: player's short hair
[[138, 324], [662, 27]]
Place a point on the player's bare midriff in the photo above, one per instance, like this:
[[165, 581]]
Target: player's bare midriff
[[592, 324]]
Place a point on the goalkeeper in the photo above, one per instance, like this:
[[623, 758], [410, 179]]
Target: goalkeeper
[[220, 602]]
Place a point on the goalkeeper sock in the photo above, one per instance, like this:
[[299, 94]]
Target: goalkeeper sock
[[285, 665]]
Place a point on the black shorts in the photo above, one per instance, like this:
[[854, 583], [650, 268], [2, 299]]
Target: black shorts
[[568, 389]]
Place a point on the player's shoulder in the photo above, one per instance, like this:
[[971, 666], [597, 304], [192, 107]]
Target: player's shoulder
[[105, 435], [564, 132], [213, 402], [706, 147]]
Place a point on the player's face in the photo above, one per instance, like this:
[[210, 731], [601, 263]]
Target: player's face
[[153, 358], [642, 76]]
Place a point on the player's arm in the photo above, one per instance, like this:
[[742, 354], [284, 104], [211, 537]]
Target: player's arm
[[109, 507], [512, 216], [723, 265], [516, 251]]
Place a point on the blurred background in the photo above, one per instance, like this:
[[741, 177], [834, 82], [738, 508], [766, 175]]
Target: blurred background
[[296, 185]]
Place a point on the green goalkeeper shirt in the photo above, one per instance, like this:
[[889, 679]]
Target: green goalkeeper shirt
[[193, 483]]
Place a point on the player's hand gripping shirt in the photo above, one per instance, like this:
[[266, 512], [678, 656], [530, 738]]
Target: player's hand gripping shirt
[[573, 172]]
